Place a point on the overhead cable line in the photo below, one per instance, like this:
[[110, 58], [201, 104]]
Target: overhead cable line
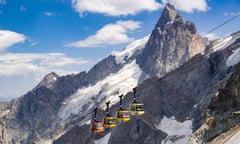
[[153, 81], [222, 24]]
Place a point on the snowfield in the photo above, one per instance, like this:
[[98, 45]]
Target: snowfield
[[178, 132], [222, 44], [103, 140], [105, 90], [130, 50], [235, 139], [234, 58]]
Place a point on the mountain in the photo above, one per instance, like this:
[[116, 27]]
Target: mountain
[[178, 81], [184, 106], [171, 43]]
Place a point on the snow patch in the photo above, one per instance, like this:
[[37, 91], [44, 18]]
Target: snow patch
[[86, 123], [54, 78], [3, 113], [178, 132], [170, 22], [106, 90], [222, 44], [103, 140], [234, 139], [234, 58], [46, 141], [130, 49]]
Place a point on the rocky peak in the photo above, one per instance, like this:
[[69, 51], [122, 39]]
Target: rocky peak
[[49, 80], [171, 43], [168, 17]]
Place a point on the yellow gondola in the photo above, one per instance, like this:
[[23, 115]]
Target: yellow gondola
[[109, 121], [136, 108], [97, 126], [123, 115]]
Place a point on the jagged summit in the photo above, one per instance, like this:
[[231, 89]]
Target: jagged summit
[[48, 80], [171, 43], [169, 16]]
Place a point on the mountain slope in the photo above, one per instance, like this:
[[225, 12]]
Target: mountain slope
[[59, 109], [177, 100]]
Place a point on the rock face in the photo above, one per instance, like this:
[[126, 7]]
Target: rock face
[[171, 43], [222, 114], [31, 115], [102, 69]]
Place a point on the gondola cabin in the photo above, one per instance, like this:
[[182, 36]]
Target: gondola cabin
[[123, 115], [97, 127], [137, 108], [109, 122]]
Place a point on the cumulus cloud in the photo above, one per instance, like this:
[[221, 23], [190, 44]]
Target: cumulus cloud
[[188, 5], [9, 38], [110, 34], [115, 7], [16, 64]]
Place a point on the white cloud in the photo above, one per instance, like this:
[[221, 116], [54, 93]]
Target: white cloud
[[115, 7], [211, 36], [51, 14], [22, 64], [9, 38], [188, 5], [21, 72], [110, 34]]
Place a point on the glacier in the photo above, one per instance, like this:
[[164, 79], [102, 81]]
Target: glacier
[[130, 50], [233, 58], [106, 90], [178, 132]]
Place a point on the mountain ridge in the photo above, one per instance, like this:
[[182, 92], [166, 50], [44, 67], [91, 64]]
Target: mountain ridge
[[59, 110]]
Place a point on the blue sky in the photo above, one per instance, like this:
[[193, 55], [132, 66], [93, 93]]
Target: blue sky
[[69, 36]]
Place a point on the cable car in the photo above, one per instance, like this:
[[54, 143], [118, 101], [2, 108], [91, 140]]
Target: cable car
[[97, 126], [109, 121], [136, 108], [122, 114]]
